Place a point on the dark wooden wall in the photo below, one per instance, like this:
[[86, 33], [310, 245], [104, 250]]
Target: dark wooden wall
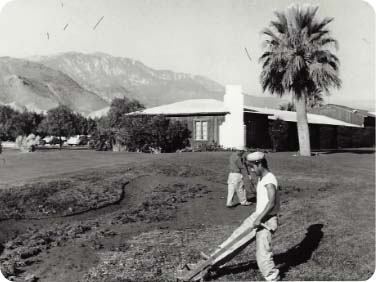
[[328, 137], [258, 133], [257, 127], [214, 121]]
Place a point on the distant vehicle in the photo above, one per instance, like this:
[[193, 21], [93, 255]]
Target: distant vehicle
[[47, 139], [78, 140], [53, 140]]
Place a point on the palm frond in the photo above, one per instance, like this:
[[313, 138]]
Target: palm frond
[[317, 26], [315, 36], [328, 41], [283, 23], [278, 26], [324, 76], [270, 33], [309, 15]]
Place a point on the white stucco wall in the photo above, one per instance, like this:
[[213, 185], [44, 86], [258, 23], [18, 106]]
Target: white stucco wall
[[231, 132]]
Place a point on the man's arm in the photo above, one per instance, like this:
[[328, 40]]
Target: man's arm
[[271, 189]]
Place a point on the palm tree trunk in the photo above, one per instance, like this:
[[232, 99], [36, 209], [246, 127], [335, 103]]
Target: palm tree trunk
[[302, 125]]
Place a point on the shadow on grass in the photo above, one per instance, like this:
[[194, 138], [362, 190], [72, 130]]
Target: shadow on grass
[[359, 151], [301, 252], [294, 256]]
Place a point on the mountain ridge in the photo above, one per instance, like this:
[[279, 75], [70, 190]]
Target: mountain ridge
[[42, 82], [184, 86]]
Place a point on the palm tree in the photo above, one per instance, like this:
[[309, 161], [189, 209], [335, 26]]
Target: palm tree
[[298, 59]]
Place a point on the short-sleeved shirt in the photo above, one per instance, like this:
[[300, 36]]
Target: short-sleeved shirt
[[236, 164], [262, 194]]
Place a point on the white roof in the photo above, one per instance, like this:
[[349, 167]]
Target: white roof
[[291, 116], [211, 106], [194, 106]]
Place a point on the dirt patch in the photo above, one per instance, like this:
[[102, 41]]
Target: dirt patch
[[24, 248], [59, 197], [152, 256], [161, 203], [156, 255], [186, 170], [146, 199]]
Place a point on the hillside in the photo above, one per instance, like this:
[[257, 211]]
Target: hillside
[[39, 88], [88, 82], [111, 77]]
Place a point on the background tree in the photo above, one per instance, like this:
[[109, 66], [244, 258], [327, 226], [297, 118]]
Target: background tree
[[7, 128], [315, 100], [121, 106], [298, 59], [107, 129], [287, 107], [27, 122], [59, 121], [14, 123], [81, 125], [91, 126]]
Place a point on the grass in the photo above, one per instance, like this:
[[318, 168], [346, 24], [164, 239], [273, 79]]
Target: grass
[[175, 209]]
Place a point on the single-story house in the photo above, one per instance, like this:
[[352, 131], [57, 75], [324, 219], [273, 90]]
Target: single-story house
[[211, 121], [232, 124]]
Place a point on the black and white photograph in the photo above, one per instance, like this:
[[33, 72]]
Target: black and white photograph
[[187, 140]]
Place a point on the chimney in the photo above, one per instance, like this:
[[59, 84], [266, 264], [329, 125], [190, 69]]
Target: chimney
[[231, 131]]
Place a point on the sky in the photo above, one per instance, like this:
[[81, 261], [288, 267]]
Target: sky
[[202, 37]]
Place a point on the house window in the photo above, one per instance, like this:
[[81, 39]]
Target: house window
[[201, 130]]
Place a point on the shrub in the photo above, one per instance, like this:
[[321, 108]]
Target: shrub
[[211, 147], [151, 134], [27, 144]]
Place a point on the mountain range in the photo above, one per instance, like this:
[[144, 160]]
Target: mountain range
[[88, 82], [39, 88]]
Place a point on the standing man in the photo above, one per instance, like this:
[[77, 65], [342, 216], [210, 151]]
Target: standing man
[[235, 180], [267, 209]]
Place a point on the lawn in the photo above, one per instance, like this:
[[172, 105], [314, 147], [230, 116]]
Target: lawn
[[101, 216]]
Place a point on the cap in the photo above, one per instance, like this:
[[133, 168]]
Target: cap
[[255, 156]]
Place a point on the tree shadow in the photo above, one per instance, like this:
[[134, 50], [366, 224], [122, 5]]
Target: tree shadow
[[296, 255]]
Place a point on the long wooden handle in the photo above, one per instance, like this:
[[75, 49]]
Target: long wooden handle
[[265, 226], [207, 263]]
